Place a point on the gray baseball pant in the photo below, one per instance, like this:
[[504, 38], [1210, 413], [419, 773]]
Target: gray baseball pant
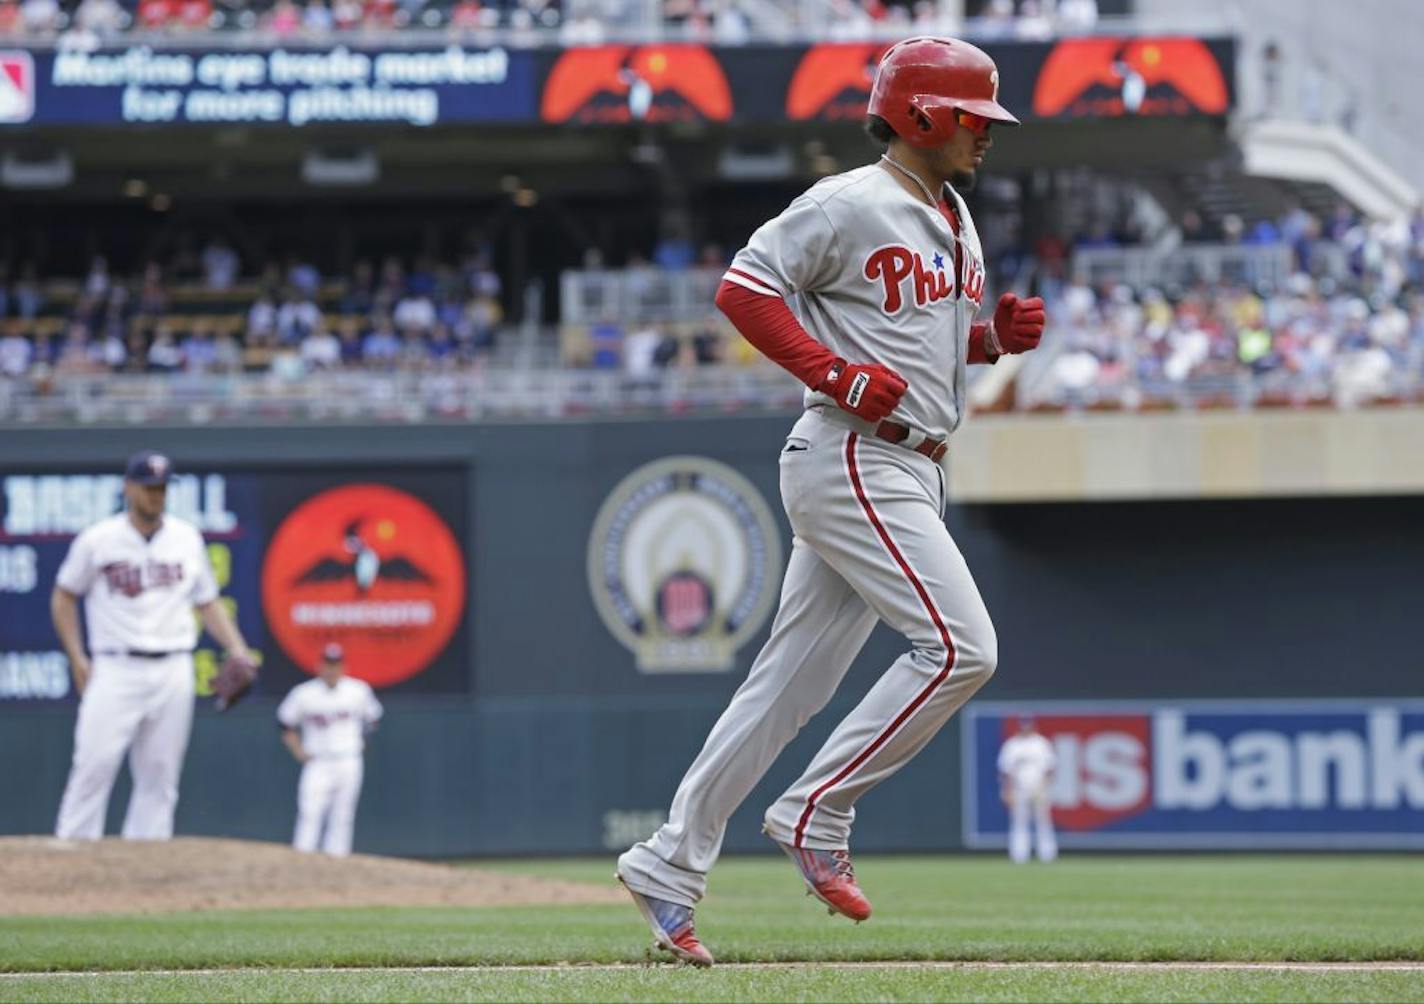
[[870, 543]]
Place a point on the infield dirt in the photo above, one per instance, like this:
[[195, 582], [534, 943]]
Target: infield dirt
[[43, 875]]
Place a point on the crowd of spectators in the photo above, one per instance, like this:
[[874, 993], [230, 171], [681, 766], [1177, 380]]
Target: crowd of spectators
[[90, 22], [1345, 327], [1344, 323], [195, 314], [77, 22], [984, 20]]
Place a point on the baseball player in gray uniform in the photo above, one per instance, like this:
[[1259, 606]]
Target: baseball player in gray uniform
[[866, 288]]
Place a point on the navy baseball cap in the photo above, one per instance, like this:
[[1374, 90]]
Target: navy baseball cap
[[149, 468], [332, 652]]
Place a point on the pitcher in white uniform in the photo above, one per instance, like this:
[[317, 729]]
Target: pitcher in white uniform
[[866, 288], [1026, 764], [139, 574], [324, 725]]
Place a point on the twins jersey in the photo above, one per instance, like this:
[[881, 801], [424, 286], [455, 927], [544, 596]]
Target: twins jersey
[[1028, 760], [877, 276], [332, 720], [139, 593]]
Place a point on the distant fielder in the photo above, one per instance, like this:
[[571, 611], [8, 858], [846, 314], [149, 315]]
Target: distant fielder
[[324, 723], [139, 573], [1026, 765]]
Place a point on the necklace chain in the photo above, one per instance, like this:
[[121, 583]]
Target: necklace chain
[[911, 175]]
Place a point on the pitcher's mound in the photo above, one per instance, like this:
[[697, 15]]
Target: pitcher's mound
[[49, 876]]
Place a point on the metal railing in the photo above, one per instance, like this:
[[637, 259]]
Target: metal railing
[[638, 294], [495, 394], [361, 396], [1186, 264]]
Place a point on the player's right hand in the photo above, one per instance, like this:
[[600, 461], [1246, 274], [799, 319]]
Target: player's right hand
[[866, 390], [81, 670], [1019, 323]]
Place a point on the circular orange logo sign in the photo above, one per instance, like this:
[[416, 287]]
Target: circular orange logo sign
[[371, 567]]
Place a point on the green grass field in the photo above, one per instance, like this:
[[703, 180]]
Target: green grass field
[[1138, 909]]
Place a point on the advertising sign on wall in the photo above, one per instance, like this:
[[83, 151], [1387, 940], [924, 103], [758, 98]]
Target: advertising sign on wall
[[1101, 77], [140, 85], [374, 561], [1211, 774], [1113, 77], [627, 83]]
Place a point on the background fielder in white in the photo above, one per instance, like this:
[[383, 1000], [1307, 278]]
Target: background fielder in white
[[1026, 765], [324, 722], [139, 573]]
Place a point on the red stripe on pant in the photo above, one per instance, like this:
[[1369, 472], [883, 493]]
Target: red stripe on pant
[[923, 695]]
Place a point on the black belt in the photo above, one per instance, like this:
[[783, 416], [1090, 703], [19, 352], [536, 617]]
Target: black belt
[[138, 653]]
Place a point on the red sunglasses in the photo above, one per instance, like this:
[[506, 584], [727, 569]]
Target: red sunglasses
[[977, 124]]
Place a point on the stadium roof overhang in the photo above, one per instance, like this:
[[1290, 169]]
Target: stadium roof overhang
[[240, 163]]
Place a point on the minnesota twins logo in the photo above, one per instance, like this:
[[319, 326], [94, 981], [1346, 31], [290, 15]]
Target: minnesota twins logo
[[132, 580], [681, 562]]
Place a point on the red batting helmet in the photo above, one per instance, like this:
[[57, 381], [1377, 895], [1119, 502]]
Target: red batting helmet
[[921, 82]]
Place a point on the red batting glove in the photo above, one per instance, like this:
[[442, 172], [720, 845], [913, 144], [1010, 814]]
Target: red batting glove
[[1018, 324], [868, 391]]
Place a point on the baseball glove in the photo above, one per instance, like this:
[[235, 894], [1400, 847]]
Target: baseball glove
[[235, 678]]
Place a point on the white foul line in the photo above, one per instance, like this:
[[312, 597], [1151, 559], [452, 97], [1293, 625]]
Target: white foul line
[[579, 967]]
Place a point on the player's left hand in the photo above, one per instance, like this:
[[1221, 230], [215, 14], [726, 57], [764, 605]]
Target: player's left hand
[[1019, 323], [235, 677]]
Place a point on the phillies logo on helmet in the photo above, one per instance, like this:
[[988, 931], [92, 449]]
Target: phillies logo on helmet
[[17, 87], [893, 265], [921, 83]]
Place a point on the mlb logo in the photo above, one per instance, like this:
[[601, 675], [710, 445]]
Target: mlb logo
[[17, 87]]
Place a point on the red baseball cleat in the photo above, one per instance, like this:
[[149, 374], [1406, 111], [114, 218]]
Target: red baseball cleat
[[671, 924], [831, 879]]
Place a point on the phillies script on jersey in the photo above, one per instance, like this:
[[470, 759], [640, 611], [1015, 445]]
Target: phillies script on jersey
[[893, 264], [1207, 774]]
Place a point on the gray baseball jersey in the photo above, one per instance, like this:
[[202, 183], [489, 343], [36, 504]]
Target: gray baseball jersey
[[878, 276]]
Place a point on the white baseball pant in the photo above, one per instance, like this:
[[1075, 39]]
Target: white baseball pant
[[326, 799], [1031, 804], [144, 707], [870, 543]]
